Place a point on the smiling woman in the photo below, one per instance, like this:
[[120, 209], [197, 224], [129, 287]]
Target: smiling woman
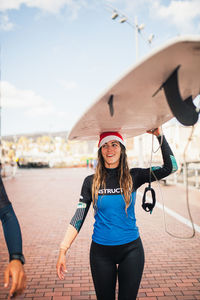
[[116, 250]]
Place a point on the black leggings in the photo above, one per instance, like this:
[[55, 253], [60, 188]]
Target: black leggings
[[109, 262]]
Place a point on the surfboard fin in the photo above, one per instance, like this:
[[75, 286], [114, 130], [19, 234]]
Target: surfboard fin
[[110, 104], [184, 110]]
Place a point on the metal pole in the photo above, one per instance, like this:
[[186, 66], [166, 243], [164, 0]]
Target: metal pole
[[140, 139], [136, 38]]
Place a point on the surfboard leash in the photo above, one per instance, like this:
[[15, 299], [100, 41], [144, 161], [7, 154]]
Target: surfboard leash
[[149, 206], [187, 190]]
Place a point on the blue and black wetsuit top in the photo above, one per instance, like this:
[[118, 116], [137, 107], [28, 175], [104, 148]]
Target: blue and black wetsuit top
[[10, 225], [113, 226]]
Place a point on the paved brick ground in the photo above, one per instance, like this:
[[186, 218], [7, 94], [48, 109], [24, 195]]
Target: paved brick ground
[[45, 200]]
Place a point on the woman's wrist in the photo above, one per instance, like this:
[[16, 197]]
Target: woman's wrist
[[63, 250], [158, 135]]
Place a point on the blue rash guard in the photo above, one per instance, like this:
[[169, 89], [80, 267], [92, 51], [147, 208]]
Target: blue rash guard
[[10, 225], [113, 226]]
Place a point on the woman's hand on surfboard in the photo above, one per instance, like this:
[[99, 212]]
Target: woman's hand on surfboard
[[155, 131]]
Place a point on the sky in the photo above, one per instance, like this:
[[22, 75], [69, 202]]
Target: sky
[[58, 56]]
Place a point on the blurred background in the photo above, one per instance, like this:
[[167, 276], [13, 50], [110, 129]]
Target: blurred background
[[58, 56]]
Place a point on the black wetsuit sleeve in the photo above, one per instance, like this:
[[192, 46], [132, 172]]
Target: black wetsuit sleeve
[[11, 227], [140, 176], [4, 201], [83, 204]]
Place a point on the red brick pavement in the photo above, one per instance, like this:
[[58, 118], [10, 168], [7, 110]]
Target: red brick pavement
[[45, 200]]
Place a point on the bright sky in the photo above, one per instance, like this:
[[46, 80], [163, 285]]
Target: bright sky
[[58, 56]]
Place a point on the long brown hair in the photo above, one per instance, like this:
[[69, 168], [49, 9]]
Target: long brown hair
[[125, 179]]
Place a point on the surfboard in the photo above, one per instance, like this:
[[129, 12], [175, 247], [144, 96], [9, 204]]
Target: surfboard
[[143, 98]]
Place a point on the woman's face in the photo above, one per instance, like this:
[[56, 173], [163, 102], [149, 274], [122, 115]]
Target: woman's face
[[111, 152]]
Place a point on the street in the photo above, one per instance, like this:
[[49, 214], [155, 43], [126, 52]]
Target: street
[[45, 200]]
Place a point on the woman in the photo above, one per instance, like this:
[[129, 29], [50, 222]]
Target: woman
[[116, 249]]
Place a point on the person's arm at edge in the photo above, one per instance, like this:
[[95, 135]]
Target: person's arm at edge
[[15, 270], [12, 231], [12, 234]]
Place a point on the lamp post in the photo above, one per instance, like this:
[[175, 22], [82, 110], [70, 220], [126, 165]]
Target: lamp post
[[138, 29]]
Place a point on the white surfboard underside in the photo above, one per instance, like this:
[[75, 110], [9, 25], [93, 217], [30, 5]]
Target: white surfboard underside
[[135, 108]]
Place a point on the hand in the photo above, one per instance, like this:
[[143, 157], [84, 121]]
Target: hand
[[61, 265], [15, 270], [156, 131]]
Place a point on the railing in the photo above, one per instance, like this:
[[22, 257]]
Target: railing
[[192, 174]]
